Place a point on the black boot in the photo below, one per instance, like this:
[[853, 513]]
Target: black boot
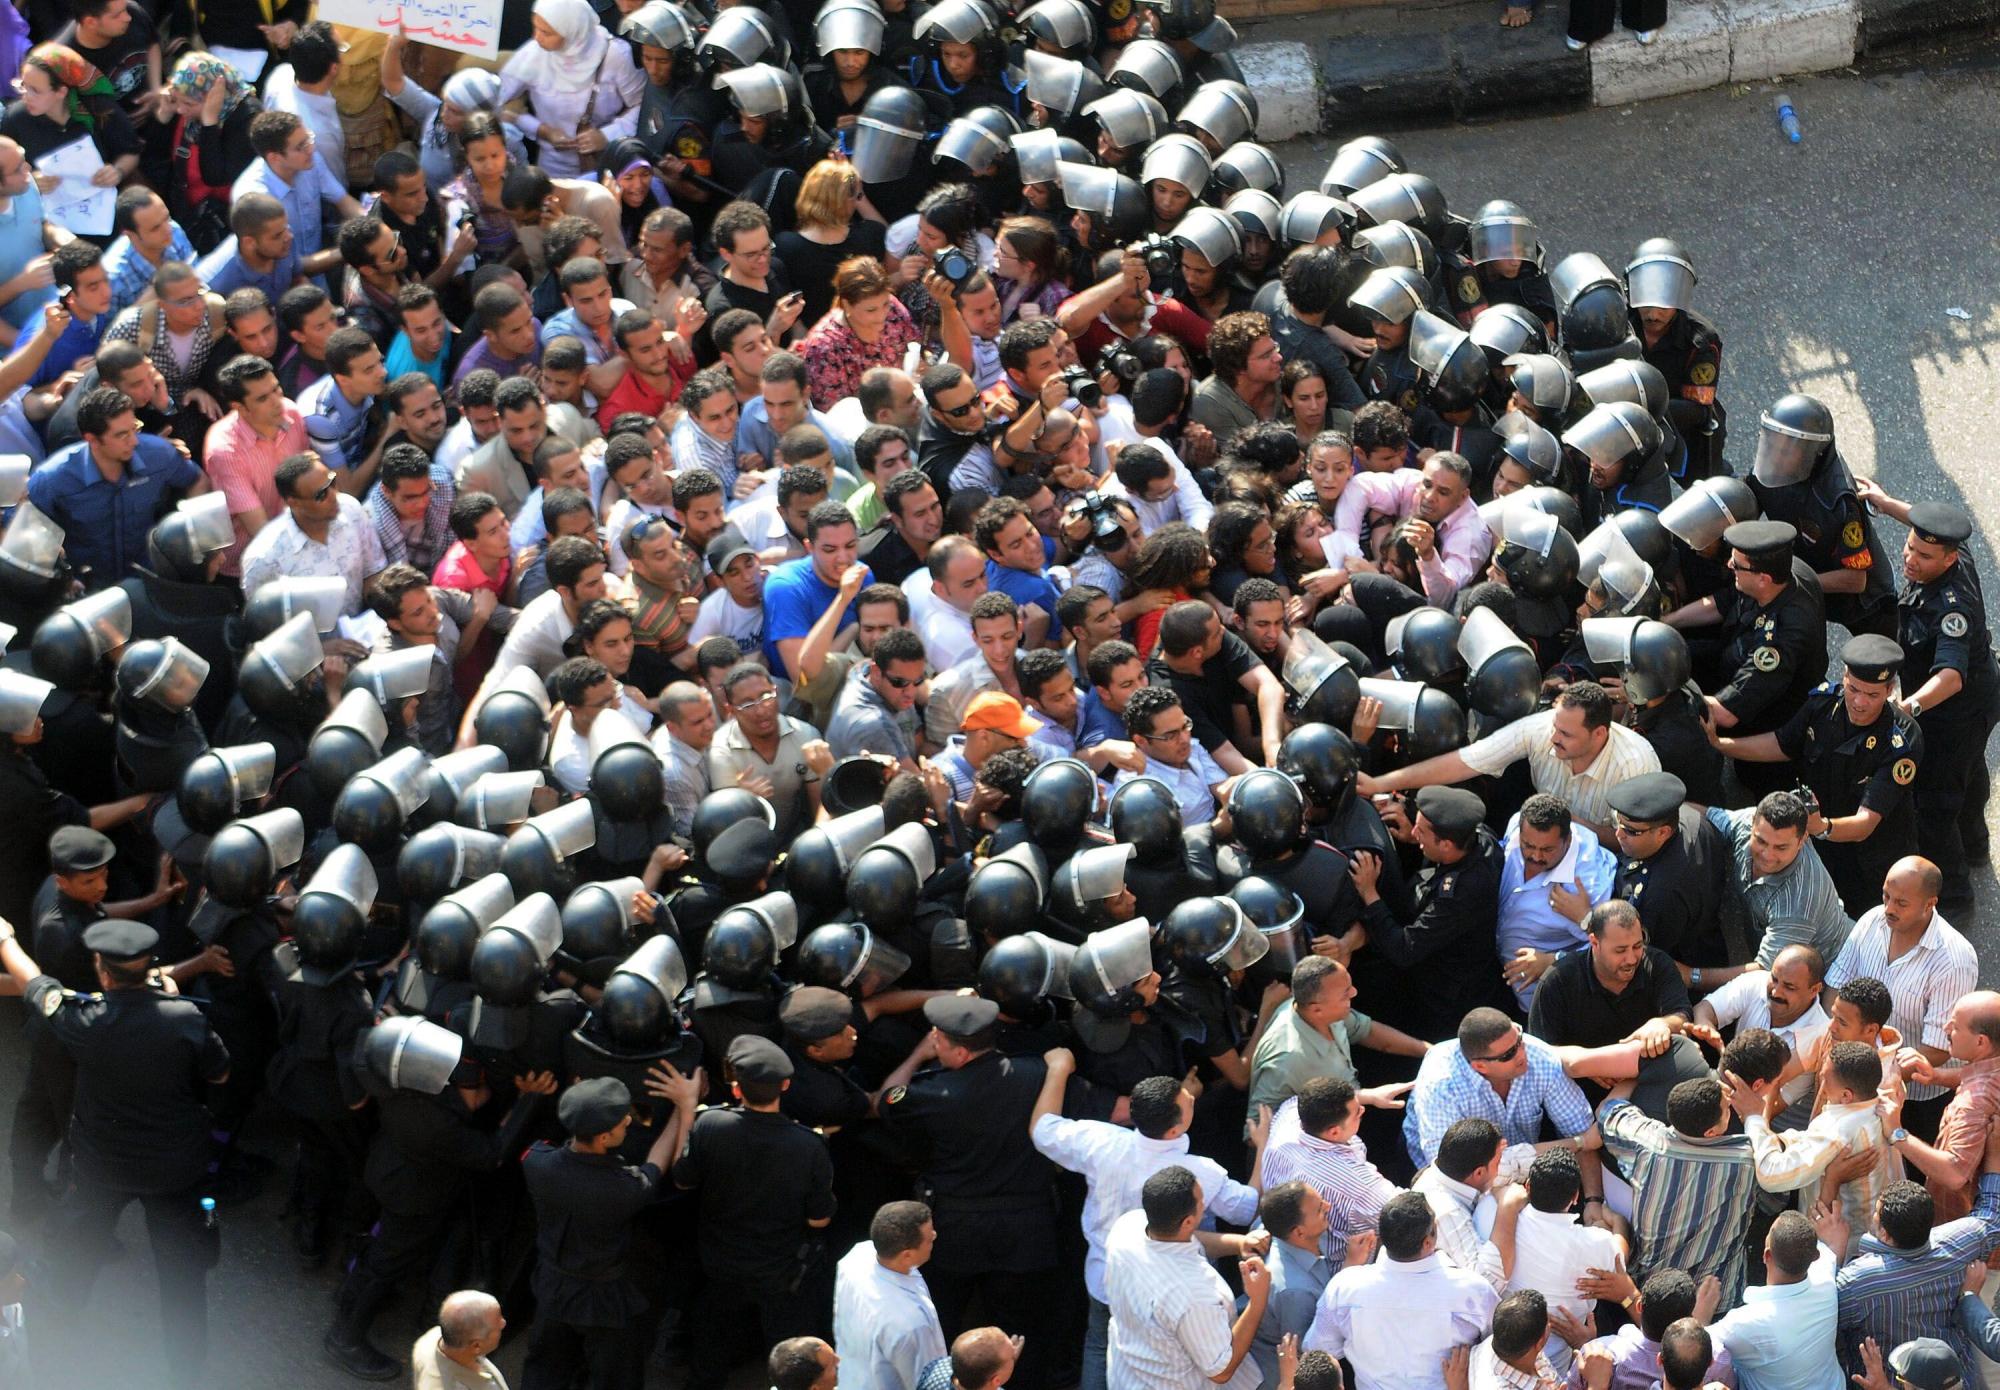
[[346, 1343], [309, 1234]]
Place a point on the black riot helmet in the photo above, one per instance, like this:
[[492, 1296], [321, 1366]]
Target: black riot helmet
[[274, 603], [1006, 892], [71, 644], [1426, 721], [1360, 162], [1022, 971], [451, 929], [598, 927], [452, 776], [216, 787], [346, 741], [817, 864], [1277, 914], [332, 913], [851, 958], [438, 858], [1423, 646], [540, 856], [1533, 551], [1650, 657], [1323, 761], [1057, 801], [1324, 684], [721, 809], [1592, 313], [512, 956], [627, 778], [514, 717], [1794, 436], [373, 807], [1268, 810], [1146, 816], [242, 862], [165, 674], [739, 951], [637, 1005], [280, 677], [1106, 971], [887, 878], [180, 544], [1208, 937], [1503, 678]]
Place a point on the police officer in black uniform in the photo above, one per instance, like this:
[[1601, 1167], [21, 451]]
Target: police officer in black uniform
[[1678, 871], [588, 1313], [990, 1191], [765, 1187], [820, 1036], [1953, 689], [1857, 751], [1800, 477], [139, 1131], [1775, 647], [1684, 346]]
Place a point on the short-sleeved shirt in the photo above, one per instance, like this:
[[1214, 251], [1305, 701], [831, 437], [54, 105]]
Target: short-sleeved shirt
[[351, 552], [1292, 1052], [335, 425], [1587, 793], [731, 755], [244, 465], [760, 1176], [1210, 698], [225, 272], [105, 523], [794, 598]]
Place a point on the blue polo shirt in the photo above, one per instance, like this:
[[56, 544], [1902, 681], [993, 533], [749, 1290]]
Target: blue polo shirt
[[225, 272], [105, 523], [1094, 720], [80, 339], [1024, 589], [794, 598]]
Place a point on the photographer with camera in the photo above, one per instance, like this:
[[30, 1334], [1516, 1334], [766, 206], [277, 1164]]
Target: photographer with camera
[[1129, 301], [1244, 387], [1313, 280]]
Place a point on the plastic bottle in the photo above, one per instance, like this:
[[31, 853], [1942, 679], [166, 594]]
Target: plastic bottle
[[1788, 119], [208, 1213]]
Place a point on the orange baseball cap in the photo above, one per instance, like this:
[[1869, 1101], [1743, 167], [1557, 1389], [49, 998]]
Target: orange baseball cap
[[999, 712]]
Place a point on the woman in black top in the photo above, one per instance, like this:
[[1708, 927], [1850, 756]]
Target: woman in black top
[[64, 99], [828, 232]]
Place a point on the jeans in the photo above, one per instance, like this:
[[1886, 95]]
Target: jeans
[[1096, 1348]]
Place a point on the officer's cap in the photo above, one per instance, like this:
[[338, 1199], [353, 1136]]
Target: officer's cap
[[1940, 523], [1872, 658], [1925, 1363], [121, 941], [1769, 543], [961, 1017], [743, 853], [1453, 811], [1653, 797], [752, 1058], [813, 1013], [594, 1107], [77, 849]]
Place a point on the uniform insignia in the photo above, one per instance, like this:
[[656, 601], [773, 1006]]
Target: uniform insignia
[[895, 1094], [1871, 743], [1765, 659], [1895, 740], [52, 1001], [1702, 374], [1468, 288], [1444, 884], [1954, 625], [1905, 771], [688, 146], [1851, 534], [1409, 402], [1118, 10]]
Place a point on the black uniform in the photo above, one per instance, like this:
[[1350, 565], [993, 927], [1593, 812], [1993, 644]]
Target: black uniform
[[587, 1308], [761, 1177], [1836, 534], [41, 1114], [1529, 289], [1452, 939], [1852, 768], [1942, 626], [311, 1075], [1674, 728], [35, 810], [991, 1194], [1689, 356], [1686, 896], [1773, 657], [1391, 376], [139, 1132]]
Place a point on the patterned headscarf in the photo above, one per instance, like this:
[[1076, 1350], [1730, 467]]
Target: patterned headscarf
[[69, 69], [195, 73]]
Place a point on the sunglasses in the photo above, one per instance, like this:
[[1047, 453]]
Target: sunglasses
[[901, 682], [321, 494], [1520, 1041], [956, 410]]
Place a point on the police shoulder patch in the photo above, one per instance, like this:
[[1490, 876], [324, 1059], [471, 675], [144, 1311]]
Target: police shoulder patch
[[688, 146], [1905, 771], [1766, 659], [1118, 10], [1468, 288], [1852, 535], [1702, 374], [896, 1093], [1953, 625]]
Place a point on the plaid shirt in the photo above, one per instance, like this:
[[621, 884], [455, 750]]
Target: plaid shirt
[[1893, 1295], [180, 379], [131, 274], [1449, 1090], [429, 549]]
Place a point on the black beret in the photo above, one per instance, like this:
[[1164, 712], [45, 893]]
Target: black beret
[[594, 1107], [814, 1013], [118, 940], [1872, 658], [752, 1058], [743, 853], [1654, 797], [1768, 541], [961, 1015], [1940, 523], [77, 849], [1452, 810]]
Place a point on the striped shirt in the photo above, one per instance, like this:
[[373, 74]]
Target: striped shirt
[[1171, 1314], [1924, 982], [131, 274], [687, 776], [1691, 1198], [1798, 1160], [1796, 905], [1587, 793], [1449, 1090], [1452, 1204], [1892, 1294], [1341, 1173]]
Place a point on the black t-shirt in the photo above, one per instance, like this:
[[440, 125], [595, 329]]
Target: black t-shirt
[[810, 264], [728, 295], [1573, 1007], [1211, 698], [760, 1177], [37, 135], [122, 61]]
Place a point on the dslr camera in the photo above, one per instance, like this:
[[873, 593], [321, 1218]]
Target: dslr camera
[[1162, 255], [955, 266], [1084, 387]]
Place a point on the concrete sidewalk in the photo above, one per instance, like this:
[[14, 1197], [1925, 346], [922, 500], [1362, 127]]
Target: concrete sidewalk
[[1348, 70]]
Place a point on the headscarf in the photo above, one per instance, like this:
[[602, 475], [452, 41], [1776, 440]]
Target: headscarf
[[575, 64], [469, 89], [69, 68], [196, 73]]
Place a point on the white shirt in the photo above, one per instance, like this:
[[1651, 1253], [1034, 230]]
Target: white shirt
[[1782, 1336], [947, 633], [1745, 1002], [885, 1326], [763, 526], [720, 616], [1185, 503], [351, 552], [1552, 1250], [1395, 1321], [1452, 1204], [1924, 982], [535, 641], [283, 93], [1116, 1162], [1170, 1314], [1625, 754], [1193, 786]]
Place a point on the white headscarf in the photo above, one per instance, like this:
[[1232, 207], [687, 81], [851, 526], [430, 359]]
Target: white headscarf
[[575, 64]]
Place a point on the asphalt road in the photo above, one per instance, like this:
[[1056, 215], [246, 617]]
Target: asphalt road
[[1829, 267]]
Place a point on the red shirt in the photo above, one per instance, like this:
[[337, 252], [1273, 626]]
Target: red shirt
[[632, 393], [1167, 316], [459, 570]]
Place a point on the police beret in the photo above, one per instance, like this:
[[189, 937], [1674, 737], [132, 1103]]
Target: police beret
[[77, 849], [743, 853], [1940, 523], [119, 940], [594, 1107], [1762, 540], [1452, 810], [752, 1058], [1925, 1363], [813, 1013], [961, 1015], [1655, 797], [1872, 658]]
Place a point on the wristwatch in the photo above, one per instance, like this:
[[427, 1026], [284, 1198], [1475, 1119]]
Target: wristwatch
[[1694, 976], [1898, 1135]]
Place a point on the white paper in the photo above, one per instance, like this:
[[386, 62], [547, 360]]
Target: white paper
[[365, 627], [463, 26], [76, 203], [248, 62], [1338, 547]]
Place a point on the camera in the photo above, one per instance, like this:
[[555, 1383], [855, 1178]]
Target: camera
[[1162, 256], [1118, 359], [1083, 386], [955, 266], [1102, 511], [467, 218]]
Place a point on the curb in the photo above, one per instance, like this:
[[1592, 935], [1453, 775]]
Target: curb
[[1382, 80]]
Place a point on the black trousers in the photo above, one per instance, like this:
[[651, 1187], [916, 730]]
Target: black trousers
[[1590, 20], [1017, 1301], [41, 1121], [1951, 790], [611, 1358], [728, 1311], [183, 1251]]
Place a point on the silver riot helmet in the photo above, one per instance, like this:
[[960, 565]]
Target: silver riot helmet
[[1393, 295], [1361, 161], [1063, 86], [1220, 112], [1068, 25], [893, 124], [1149, 66], [849, 24], [980, 140], [1246, 165], [1501, 231], [1660, 276]]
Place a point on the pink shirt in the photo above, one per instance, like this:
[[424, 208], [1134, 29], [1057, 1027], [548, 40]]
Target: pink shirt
[[244, 466], [459, 570], [1463, 542]]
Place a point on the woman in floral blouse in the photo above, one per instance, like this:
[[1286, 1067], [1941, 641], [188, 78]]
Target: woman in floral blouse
[[867, 327]]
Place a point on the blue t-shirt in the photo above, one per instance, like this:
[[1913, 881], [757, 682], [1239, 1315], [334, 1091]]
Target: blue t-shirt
[[794, 598], [79, 339], [1094, 720], [1024, 589], [225, 272], [105, 523]]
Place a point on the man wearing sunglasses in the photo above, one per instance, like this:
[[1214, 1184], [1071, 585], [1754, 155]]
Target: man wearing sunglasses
[[874, 712], [323, 532], [1494, 1071], [952, 440], [1676, 869]]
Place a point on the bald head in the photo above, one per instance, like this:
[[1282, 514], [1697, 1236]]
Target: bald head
[[982, 1358], [1801, 957], [1909, 896], [470, 1319], [1973, 1031]]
